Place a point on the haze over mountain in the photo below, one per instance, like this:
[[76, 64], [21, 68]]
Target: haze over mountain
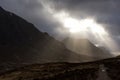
[[27, 53], [84, 46], [42, 13], [21, 42]]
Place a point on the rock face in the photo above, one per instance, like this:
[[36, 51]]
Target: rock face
[[84, 46]]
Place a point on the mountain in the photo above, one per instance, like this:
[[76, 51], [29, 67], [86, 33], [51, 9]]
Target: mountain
[[84, 46], [97, 70], [22, 42]]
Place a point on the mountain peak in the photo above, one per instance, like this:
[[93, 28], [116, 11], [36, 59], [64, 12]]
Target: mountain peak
[[1, 9], [84, 46], [21, 41]]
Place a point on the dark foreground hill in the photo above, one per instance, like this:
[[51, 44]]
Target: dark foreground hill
[[99, 70]]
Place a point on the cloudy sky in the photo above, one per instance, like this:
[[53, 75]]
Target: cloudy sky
[[58, 16]]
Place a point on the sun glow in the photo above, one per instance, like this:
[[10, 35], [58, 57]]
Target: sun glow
[[75, 25], [87, 27], [78, 26]]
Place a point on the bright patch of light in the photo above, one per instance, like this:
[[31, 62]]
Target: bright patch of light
[[83, 25], [70, 23], [75, 25], [74, 30], [97, 45], [87, 26]]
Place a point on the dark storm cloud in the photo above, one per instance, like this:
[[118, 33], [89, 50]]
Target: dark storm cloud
[[91, 6]]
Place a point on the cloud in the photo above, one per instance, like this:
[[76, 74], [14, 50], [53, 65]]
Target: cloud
[[34, 12], [105, 12]]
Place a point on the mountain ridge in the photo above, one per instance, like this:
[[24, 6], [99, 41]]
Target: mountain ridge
[[21, 41]]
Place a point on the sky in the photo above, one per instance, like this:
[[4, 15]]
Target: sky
[[54, 17]]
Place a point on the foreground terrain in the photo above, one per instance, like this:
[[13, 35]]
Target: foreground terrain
[[107, 69]]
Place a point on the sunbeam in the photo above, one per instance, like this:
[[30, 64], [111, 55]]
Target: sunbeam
[[86, 27]]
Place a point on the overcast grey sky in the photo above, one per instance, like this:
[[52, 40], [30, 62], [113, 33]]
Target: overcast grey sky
[[105, 12]]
